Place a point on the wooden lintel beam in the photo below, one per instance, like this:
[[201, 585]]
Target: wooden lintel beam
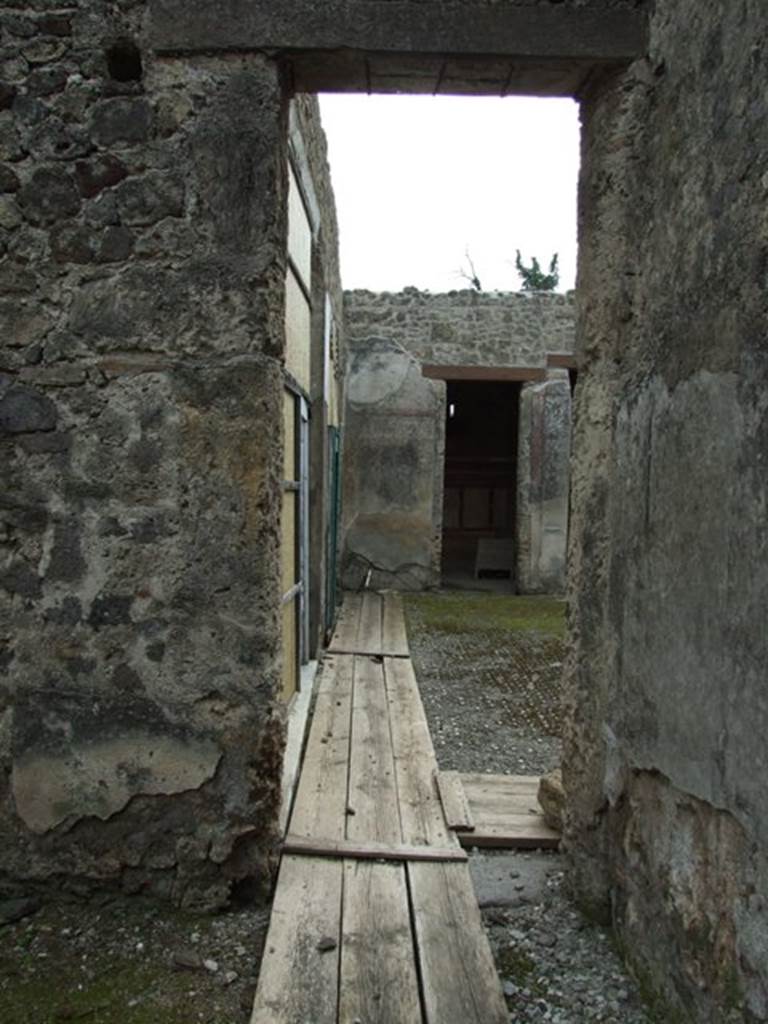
[[502, 373], [562, 360]]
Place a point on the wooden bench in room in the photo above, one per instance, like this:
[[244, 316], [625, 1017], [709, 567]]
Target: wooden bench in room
[[496, 555]]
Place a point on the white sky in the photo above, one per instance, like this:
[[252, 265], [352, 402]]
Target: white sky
[[421, 179]]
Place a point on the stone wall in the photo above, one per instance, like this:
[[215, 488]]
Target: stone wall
[[395, 447], [143, 238], [666, 759], [142, 210], [465, 328], [537, 47]]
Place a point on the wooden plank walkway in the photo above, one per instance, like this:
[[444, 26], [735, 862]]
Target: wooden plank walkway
[[371, 623], [496, 811], [374, 918]]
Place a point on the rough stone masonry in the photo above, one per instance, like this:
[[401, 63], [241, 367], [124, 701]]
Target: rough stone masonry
[[143, 243], [142, 225]]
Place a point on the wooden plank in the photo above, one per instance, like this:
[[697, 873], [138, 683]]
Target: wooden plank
[[536, 836], [298, 980], [421, 815], [455, 805], [515, 813], [493, 804], [525, 373], [506, 813], [372, 811], [345, 634], [378, 981], [368, 639], [368, 850], [394, 638], [459, 980], [510, 783], [501, 798], [320, 807]]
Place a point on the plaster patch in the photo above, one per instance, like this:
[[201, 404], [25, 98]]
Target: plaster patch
[[380, 372], [99, 779]]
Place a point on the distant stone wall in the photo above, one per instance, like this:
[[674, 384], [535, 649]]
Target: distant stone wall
[[395, 428], [465, 328]]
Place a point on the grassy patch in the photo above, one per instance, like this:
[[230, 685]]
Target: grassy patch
[[470, 612]]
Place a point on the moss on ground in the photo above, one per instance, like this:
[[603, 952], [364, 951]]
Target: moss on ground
[[113, 963], [470, 612], [127, 993]]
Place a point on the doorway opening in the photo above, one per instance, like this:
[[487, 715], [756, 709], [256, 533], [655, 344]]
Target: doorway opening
[[480, 482]]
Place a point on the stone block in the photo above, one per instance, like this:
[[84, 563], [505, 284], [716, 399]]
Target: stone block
[[44, 50], [7, 95], [72, 243], [23, 410], [150, 198], [20, 579], [66, 563], [11, 147], [49, 195], [100, 172], [53, 139], [9, 179], [46, 81], [10, 216], [121, 121], [29, 111], [551, 797]]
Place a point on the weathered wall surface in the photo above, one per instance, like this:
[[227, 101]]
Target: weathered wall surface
[[394, 447], [142, 219], [666, 761], [395, 436], [464, 328], [543, 484]]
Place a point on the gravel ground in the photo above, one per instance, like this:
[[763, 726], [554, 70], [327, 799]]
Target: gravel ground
[[489, 670], [125, 960], [492, 699]]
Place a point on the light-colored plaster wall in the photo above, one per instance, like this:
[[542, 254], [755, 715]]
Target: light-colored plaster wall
[[395, 449]]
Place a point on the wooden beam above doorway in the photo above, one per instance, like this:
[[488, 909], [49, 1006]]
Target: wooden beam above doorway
[[561, 360], [481, 373]]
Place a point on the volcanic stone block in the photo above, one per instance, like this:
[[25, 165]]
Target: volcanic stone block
[[49, 195], [45, 81], [149, 198], [7, 95], [23, 410], [9, 179], [121, 120], [102, 171], [55, 140]]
